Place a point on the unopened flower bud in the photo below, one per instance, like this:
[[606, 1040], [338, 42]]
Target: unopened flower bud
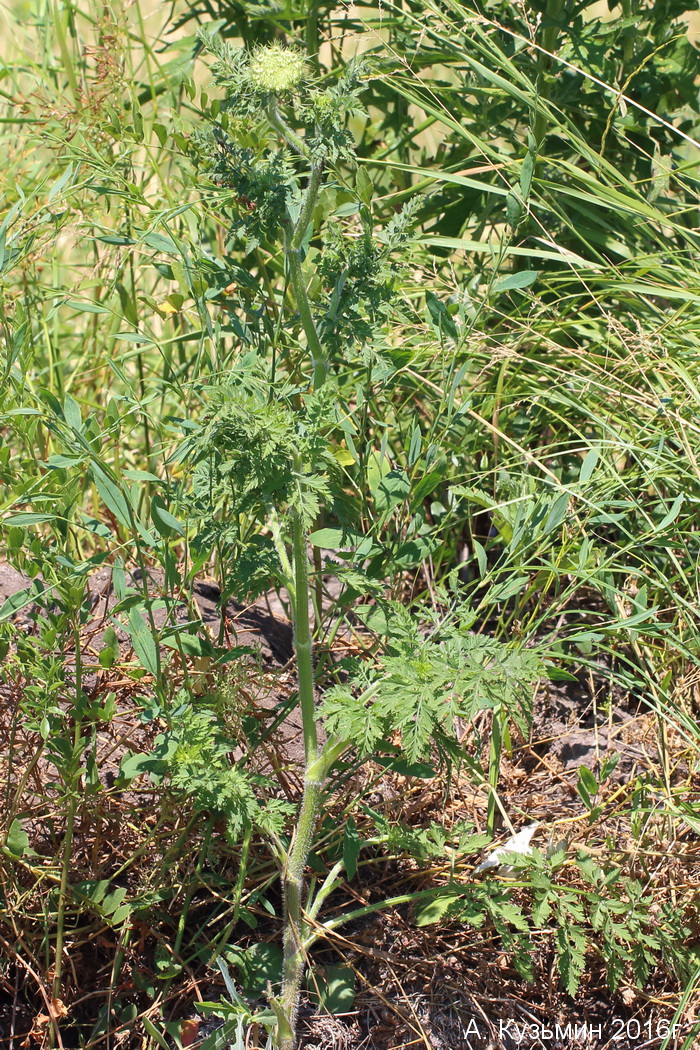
[[276, 69]]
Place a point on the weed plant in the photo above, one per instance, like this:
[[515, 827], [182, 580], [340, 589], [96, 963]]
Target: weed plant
[[391, 314]]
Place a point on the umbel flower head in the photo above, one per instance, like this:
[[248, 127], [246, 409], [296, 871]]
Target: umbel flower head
[[276, 69]]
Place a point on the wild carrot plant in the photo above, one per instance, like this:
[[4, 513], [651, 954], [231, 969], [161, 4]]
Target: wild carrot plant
[[411, 341]]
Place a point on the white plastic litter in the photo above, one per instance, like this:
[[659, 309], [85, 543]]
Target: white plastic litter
[[518, 843]]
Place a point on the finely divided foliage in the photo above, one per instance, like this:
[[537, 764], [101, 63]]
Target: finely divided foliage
[[422, 692], [380, 326]]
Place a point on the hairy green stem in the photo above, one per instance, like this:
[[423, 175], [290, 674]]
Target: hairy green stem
[[315, 766], [293, 946], [369, 909], [314, 776], [296, 930], [283, 129], [492, 815], [302, 639], [293, 243], [307, 209], [294, 239], [318, 358], [315, 773]]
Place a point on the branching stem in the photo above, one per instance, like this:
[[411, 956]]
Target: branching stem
[[316, 769], [294, 240], [283, 129], [318, 358], [293, 247], [314, 777]]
